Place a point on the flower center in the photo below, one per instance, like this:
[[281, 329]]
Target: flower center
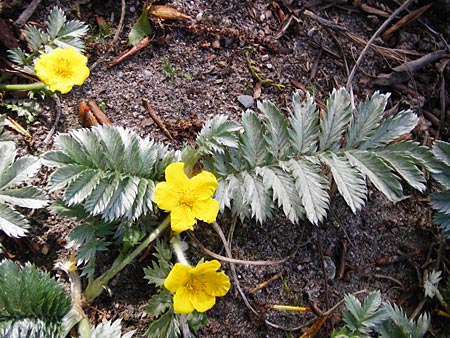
[[195, 284], [63, 67], [187, 199]]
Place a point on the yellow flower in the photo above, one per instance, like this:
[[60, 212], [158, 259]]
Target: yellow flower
[[61, 69], [187, 199], [196, 288]]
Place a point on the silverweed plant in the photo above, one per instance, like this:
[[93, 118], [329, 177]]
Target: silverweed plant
[[128, 191]]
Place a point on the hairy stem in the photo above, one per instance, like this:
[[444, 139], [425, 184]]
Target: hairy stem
[[95, 288], [178, 249], [15, 87]]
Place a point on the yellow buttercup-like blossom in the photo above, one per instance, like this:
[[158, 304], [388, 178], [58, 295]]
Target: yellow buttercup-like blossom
[[61, 69], [196, 288], [187, 199]]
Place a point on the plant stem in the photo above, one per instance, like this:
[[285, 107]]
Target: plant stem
[[28, 87], [177, 246], [95, 288]]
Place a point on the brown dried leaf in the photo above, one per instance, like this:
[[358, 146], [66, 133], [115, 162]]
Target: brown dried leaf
[[167, 13], [315, 328]]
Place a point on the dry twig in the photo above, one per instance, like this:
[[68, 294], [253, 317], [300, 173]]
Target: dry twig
[[27, 13], [372, 39]]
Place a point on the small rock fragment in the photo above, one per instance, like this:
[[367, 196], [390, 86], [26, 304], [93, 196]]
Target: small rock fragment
[[246, 100]]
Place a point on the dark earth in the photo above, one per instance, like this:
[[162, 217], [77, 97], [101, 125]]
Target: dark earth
[[193, 70]]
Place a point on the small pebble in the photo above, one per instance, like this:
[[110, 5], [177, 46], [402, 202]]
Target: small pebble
[[246, 100]]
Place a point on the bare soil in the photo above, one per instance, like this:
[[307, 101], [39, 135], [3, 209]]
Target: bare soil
[[193, 71]]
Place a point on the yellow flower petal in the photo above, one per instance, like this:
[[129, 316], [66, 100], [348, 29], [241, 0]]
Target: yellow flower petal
[[201, 301], [206, 267], [182, 301], [203, 185], [218, 284], [62, 69], [182, 219], [178, 277], [165, 197], [176, 177], [206, 210]]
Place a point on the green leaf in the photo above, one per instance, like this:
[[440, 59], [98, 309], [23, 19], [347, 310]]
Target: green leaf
[[140, 29], [362, 318], [108, 169], [166, 326], [26, 108], [19, 171], [28, 293], [7, 154], [304, 119], [312, 187], [26, 197], [159, 303], [13, 223], [157, 273], [399, 326], [18, 56], [350, 182], [61, 177], [284, 191], [404, 165], [122, 199], [36, 38], [276, 126], [391, 129], [431, 283], [64, 34], [254, 146], [218, 134], [441, 150], [366, 119], [82, 186], [443, 221], [335, 121], [254, 193], [440, 201], [378, 172]]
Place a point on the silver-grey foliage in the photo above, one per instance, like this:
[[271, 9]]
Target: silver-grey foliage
[[440, 201], [13, 173], [285, 162], [111, 171]]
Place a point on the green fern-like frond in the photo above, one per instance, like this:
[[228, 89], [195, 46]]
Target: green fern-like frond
[[110, 170], [440, 201], [32, 304], [365, 122], [304, 128], [36, 38], [29, 109], [363, 318], [399, 326], [334, 122], [306, 147], [12, 173], [217, 133], [63, 33], [157, 273]]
